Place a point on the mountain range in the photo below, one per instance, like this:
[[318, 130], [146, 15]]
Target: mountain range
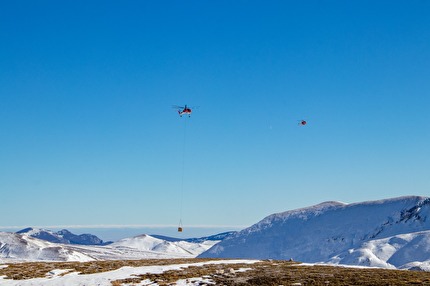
[[391, 233], [15, 247]]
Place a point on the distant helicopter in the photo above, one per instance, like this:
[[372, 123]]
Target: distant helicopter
[[183, 110], [302, 122]]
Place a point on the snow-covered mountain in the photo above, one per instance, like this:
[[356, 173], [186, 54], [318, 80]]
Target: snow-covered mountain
[[392, 233], [62, 236], [216, 237], [14, 246]]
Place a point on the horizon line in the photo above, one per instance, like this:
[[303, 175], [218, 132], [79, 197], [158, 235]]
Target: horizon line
[[119, 226]]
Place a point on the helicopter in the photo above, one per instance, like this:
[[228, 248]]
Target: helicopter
[[183, 110], [302, 122]]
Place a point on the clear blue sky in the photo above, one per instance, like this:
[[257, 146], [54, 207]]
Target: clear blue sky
[[88, 135]]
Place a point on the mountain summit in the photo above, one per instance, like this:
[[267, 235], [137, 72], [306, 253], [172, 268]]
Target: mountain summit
[[384, 233], [62, 236]]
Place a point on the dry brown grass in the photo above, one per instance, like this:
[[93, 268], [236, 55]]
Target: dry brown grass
[[262, 273], [284, 273]]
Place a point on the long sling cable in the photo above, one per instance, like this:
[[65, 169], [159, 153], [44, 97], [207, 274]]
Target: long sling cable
[[183, 175]]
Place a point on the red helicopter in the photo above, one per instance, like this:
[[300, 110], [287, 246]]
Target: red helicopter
[[302, 122], [183, 110]]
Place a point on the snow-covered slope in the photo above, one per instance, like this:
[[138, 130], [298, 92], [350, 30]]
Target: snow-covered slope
[[403, 251], [15, 246], [152, 244], [369, 233]]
